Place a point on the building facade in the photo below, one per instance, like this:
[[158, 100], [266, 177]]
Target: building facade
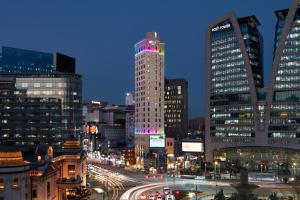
[[176, 108], [40, 97], [23, 61], [267, 119], [234, 73], [149, 91]]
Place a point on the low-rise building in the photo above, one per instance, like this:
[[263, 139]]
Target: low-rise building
[[36, 174]]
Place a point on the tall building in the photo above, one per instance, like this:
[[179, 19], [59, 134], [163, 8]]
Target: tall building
[[129, 98], [176, 108], [234, 70], [23, 61], [244, 121], [283, 95], [149, 92], [39, 107]]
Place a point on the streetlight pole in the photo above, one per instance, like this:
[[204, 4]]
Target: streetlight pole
[[261, 171], [294, 169], [216, 163]]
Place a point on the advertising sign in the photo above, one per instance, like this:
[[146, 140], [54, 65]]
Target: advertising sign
[[157, 141], [192, 147]]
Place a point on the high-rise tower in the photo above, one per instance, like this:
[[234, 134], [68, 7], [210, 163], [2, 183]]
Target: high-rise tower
[[234, 71], [283, 96], [149, 94]]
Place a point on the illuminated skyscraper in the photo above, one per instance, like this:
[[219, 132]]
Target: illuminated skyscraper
[[149, 93], [234, 70]]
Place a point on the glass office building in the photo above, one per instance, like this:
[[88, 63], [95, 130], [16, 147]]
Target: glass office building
[[243, 115], [284, 91], [40, 98], [40, 108], [21, 61], [234, 70]]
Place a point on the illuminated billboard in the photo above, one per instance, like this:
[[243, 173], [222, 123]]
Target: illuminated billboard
[[157, 141], [91, 129], [192, 147]]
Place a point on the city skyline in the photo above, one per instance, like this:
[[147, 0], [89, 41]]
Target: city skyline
[[93, 31]]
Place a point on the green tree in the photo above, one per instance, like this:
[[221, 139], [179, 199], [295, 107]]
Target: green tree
[[220, 195], [273, 196]]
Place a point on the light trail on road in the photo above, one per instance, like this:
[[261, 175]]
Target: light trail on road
[[134, 193], [113, 180]]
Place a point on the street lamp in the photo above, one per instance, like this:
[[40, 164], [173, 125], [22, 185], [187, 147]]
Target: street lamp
[[294, 169], [261, 171], [216, 163], [191, 194]]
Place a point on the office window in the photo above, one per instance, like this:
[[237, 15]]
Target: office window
[[34, 193], [48, 188]]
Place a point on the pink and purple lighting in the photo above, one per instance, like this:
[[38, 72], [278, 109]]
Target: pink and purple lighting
[[148, 131]]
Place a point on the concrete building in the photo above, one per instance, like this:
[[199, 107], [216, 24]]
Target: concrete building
[[37, 174], [129, 126], [176, 108], [14, 182], [129, 98], [149, 92]]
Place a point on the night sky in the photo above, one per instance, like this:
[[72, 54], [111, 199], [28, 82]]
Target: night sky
[[101, 34]]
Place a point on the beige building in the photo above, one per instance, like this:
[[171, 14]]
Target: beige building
[[149, 92], [43, 176]]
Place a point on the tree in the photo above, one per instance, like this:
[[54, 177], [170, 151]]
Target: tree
[[79, 193], [220, 196], [273, 196]]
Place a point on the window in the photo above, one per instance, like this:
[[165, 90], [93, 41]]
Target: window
[[71, 169], [48, 188], [2, 184], [34, 193], [15, 183]]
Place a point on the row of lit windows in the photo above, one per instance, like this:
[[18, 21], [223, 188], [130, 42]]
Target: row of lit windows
[[290, 57], [227, 59], [231, 108], [285, 107], [232, 115], [289, 71], [225, 53], [15, 183], [288, 78], [283, 134], [282, 121], [234, 128], [289, 64], [229, 71], [287, 85], [233, 121], [230, 84], [233, 134], [231, 90], [229, 77], [223, 47], [223, 40], [227, 65], [293, 35]]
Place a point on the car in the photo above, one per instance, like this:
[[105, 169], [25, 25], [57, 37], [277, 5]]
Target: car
[[143, 197], [151, 197], [167, 190]]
